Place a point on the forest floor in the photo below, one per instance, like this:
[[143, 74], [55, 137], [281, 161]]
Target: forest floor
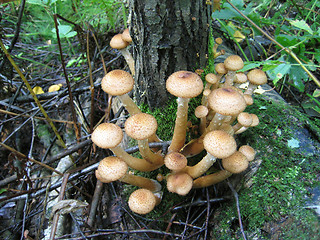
[[276, 200]]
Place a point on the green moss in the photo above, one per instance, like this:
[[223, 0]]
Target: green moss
[[281, 185]]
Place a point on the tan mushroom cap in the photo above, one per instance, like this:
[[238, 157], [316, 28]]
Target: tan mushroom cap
[[235, 163], [117, 42], [255, 120], [226, 101], [180, 183], [111, 169], [126, 36], [245, 119], [184, 84], [233, 63], [221, 69], [248, 151], [175, 161], [201, 111], [142, 201], [219, 143], [107, 135], [257, 77], [211, 78], [240, 78], [117, 82], [141, 126]]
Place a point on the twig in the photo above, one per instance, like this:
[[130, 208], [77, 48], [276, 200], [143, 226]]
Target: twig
[[208, 213], [235, 194], [94, 203], [73, 113], [169, 225], [61, 196]]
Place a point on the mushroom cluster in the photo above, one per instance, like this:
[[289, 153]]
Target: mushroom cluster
[[222, 116]]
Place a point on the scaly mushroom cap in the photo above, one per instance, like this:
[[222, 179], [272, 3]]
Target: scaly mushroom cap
[[107, 135], [240, 78], [111, 169], [184, 84], [245, 119], [117, 42], [175, 161], [201, 111], [126, 36], [226, 101], [220, 68], [248, 151], [211, 78], [141, 126], [219, 143], [180, 183], [142, 201], [117, 82], [257, 77], [235, 163], [233, 63], [255, 120]]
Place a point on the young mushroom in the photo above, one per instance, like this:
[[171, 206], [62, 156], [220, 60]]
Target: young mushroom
[[218, 144], [256, 77], [248, 151], [184, 85], [114, 168], [232, 63], [119, 83], [236, 163], [109, 135], [117, 42], [201, 112], [180, 183], [142, 201], [244, 120], [142, 126], [175, 161]]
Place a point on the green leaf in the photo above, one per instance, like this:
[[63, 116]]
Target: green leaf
[[293, 143], [250, 65], [277, 73], [301, 24], [65, 31], [287, 40], [297, 76]]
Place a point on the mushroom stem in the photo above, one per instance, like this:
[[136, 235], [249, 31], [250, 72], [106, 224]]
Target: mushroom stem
[[201, 167], [129, 59], [147, 154], [135, 163], [129, 104], [211, 179], [141, 182], [180, 128]]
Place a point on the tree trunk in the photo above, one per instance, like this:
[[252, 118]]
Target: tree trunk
[[167, 36]]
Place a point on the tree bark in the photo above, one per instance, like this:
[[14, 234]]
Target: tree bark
[[167, 36]]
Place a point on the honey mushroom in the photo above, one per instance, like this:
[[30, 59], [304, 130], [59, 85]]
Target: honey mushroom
[[256, 77], [180, 183], [232, 63], [118, 42], [142, 201], [109, 136], [142, 126], [218, 144], [184, 85], [112, 168]]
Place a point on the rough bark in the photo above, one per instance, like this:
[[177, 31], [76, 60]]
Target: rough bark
[[167, 36]]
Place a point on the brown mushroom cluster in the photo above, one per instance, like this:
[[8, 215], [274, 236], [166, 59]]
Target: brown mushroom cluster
[[222, 116]]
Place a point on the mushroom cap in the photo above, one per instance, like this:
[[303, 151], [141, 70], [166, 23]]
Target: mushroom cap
[[248, 98], [184, 84], [201, 111], [220, 68], [248, 151], [219, 143], [107, 135], [257, 77], [233, 63], [255, 120], [180, 183], [211, 78], [245, 119], [235, 163], [126, 36], [175, 161], [142, 201], [206, 92], [226, 101], [141, 126], [117, 82], [117, 42], [111, 169], [240, 78]]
